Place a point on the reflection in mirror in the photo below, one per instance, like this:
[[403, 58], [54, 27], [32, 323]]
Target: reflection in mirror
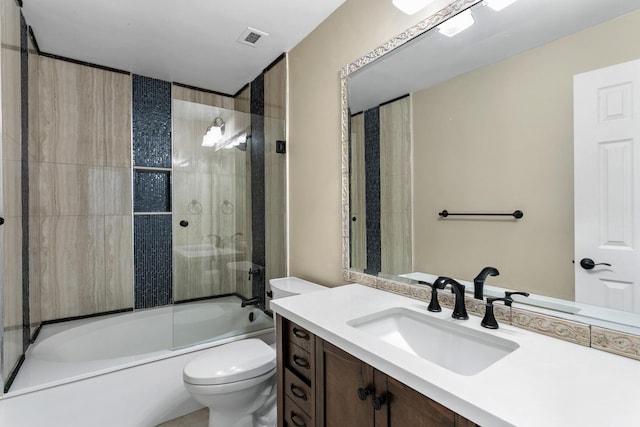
[[381, 182], [492, 126]]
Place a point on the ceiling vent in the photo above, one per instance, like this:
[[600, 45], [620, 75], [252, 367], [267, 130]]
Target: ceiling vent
[[251, 36]]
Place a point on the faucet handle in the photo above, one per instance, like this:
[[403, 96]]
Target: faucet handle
[[434, 305], [509, 300], [489, 320]]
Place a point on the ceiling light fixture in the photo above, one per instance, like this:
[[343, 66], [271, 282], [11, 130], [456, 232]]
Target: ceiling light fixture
[[457, 24], [214, 133], [498, 5], [411, 6]]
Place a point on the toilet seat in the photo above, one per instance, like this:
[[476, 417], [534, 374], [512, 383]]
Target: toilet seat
[[230, 363]]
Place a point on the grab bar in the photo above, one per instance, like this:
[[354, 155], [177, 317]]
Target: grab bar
[[516, 214]]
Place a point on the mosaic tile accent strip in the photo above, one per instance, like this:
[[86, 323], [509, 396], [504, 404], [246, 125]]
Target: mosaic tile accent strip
[[615, 342], [152, 191], [152, 260], [258, 212], [372, 180], [577, 333], [151, 122]]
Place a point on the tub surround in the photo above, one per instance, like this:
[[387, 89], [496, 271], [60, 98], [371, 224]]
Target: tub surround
[[544, 382]]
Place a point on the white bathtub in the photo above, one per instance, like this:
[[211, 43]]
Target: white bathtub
[[125, 369]]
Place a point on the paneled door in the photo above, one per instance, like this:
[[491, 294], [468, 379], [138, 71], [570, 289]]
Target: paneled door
[[607, 186]]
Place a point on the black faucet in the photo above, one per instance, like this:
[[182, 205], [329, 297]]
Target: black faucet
[[459, 309], [478, 282], [434, 305], [489, 321], [251, 301]]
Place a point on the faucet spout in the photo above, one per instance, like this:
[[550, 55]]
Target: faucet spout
[[459, 309], [251, 301], [478, 282]]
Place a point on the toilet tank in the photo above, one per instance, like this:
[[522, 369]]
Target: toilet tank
[[288, 286]]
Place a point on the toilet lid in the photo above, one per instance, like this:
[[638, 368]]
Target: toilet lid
[[228, 363]]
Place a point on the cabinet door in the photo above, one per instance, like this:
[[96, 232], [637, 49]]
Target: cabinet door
[[338, 378], [406, 407]]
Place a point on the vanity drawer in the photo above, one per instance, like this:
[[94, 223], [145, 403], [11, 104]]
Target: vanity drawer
[[293, 416], [299, 336], [297, 390], [299, 361]]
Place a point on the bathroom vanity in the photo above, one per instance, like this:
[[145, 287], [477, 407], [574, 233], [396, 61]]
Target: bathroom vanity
[[323, 385], [358, 356]]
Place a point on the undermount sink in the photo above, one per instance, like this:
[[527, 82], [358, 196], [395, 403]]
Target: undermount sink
[[454, 347]]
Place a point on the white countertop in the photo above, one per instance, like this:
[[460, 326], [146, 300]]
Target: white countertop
[[545, 382]]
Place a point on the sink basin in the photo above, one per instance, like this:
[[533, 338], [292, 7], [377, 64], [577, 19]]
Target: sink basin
[[454, 347]]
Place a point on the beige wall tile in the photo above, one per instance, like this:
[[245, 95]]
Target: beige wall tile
[[275, 91], [71, 113], [118, 262], [12, 188], [117, 191], [73, 266], [34, 122], [71, 190], [202, 97], [577, 333], [615, 342], [12, 265], [11, 103], [117, 119], [243, 100], [34, 273]]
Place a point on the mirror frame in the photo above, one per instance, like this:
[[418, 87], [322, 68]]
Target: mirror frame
[[597, 333], [411, 33]]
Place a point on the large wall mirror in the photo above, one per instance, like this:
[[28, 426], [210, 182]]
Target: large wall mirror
[[485, 120]]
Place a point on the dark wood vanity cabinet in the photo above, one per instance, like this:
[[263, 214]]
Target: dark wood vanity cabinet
[[321, 385]]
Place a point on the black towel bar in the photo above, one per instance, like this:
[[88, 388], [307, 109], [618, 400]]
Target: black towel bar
[[516, 214]]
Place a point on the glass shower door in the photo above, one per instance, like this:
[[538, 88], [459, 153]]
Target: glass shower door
[[214, 224]]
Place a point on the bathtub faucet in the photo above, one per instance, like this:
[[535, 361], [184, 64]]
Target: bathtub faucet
[[257, 301]]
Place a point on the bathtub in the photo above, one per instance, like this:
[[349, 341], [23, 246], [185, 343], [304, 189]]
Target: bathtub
[[125, 369]]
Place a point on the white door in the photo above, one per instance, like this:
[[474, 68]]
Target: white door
[[607, 186]]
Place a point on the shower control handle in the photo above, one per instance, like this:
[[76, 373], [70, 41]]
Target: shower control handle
[[184, 223]]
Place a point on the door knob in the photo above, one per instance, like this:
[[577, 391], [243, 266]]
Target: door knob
[[588, 263]]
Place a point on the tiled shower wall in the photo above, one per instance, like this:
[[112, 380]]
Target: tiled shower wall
[[275, 92], [83, 200]]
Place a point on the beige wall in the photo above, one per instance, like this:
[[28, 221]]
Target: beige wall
[[354, 29], [500, 139]]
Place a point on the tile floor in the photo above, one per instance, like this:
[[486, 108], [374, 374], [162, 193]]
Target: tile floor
[[195, 419]]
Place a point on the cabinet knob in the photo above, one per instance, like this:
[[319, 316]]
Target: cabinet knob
[[301, 334], [363, 393], [297, 420], [378, 402], [298, 392], [299, 361]]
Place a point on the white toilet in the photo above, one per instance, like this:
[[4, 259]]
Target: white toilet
[[236, 381]]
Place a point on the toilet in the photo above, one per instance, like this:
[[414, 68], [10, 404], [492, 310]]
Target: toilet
[[236, 381]]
